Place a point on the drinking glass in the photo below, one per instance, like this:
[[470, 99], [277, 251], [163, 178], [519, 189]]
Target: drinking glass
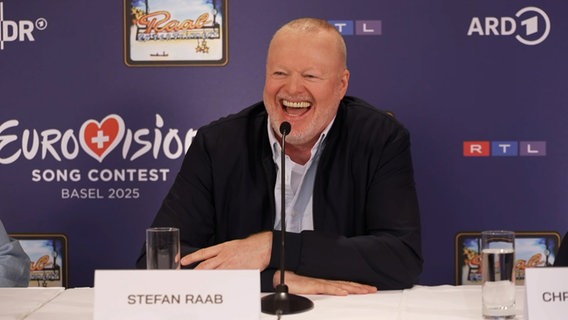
[[162, 248], [498, 274]]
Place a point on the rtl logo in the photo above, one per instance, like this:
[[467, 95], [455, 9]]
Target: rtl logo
[[358, 27], [504, 148]]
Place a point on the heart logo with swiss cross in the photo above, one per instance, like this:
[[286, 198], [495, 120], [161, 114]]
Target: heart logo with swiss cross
[[99, 139]]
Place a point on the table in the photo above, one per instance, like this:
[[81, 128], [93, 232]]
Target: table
[[18, 303], [419, 303], [71, 304]]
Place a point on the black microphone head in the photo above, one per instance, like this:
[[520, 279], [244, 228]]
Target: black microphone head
[[285, 128]]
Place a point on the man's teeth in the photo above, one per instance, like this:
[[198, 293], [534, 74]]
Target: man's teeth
[[290, 104]]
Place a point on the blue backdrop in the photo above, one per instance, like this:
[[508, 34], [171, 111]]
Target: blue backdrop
[[456, 73]]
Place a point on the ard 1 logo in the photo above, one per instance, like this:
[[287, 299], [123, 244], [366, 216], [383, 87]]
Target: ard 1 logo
[[530, 26], [18, 30]]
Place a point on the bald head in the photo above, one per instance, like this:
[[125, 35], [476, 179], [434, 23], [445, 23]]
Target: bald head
[[315, 26]]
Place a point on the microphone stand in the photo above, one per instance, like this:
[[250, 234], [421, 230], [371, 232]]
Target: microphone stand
[[282, 302]]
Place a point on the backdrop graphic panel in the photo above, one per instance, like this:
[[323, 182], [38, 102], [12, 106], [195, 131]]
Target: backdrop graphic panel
[[456, 73]]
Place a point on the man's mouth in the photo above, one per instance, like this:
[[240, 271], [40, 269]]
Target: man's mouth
[[296, 108]]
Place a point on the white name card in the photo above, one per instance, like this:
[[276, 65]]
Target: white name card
[[546, 293], [177, 294]]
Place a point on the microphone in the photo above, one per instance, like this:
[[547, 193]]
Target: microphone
[[281, 302], [285, 129]]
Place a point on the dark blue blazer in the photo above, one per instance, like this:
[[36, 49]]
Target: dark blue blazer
[[365, 208], [562, 256]]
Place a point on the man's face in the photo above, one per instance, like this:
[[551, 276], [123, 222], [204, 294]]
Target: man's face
[[305, 80]]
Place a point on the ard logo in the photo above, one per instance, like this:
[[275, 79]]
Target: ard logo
[[530, 26]]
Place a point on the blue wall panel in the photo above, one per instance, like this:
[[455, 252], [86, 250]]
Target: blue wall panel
[[446, 86]]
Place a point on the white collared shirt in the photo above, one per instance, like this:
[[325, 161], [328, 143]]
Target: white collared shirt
[[299, 185]]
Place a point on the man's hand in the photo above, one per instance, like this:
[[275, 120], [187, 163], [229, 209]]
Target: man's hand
[[307, 285], [248, 253]]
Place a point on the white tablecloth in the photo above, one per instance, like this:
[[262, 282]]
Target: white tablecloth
[[18, 303], [418, 303], [72, 304], [448, 303]]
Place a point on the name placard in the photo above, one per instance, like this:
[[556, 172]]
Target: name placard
[[177, 294], [546, 293]]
